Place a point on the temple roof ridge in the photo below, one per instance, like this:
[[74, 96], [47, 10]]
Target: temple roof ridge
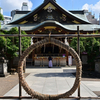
[[68, 27], [66, 12], [47, 0]]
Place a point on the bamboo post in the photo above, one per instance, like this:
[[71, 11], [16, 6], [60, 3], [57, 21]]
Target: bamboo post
[[78, 48], [20, 89]]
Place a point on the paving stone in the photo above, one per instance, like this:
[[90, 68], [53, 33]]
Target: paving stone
[[55, 81]]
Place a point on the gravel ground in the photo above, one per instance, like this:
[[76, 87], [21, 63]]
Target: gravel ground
[[8, 82]]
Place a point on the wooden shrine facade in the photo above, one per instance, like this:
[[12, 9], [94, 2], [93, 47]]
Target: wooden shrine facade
[[51, 19]]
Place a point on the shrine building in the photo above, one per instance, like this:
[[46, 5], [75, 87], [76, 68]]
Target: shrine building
[[51, 18]]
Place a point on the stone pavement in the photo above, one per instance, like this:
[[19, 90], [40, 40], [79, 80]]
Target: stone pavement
[[55, 81]]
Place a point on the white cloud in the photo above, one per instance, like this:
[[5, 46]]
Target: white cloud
[[9, 5], [85, 7], [94, 8]]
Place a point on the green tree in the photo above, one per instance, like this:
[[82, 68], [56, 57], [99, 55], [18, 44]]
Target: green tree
[[2, 39], [2, 44], [13, 45], [89, 45], [73, 44], [92, 49], [1, 18]]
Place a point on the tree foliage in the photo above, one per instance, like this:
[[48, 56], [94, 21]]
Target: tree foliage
[[2, 44], [73, 44], [13, 42], [1, 17], [2, 41], [90, 45], [10, 45]]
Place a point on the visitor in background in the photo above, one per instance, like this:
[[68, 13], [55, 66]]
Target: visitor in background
[[50, 61]]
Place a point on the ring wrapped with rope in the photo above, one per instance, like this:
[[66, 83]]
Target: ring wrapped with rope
[[38, 95]]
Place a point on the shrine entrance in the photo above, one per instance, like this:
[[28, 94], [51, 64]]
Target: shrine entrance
[[49, 40], [40, 96]]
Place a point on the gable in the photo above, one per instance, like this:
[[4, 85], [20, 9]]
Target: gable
[[50, 10], [49, 5]]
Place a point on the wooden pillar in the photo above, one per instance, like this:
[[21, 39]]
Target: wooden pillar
[[66, 42], [33, 55], [67, 57], [53, 48], [20, 89], [37, 48], [33, 52], [78, 49], [44, 48], [78, 41]]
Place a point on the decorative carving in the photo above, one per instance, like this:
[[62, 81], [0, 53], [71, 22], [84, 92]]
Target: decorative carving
[[59, 31], [50, 27], [63, 17], [76, 22], [35, 17], [49, 5], [23, 22], [49, 9], [49, 17], [40, 31]]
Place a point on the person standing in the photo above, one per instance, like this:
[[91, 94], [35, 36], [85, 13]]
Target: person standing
[[50, 61]]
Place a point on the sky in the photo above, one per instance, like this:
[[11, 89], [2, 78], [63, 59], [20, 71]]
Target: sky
[[90, 5]]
